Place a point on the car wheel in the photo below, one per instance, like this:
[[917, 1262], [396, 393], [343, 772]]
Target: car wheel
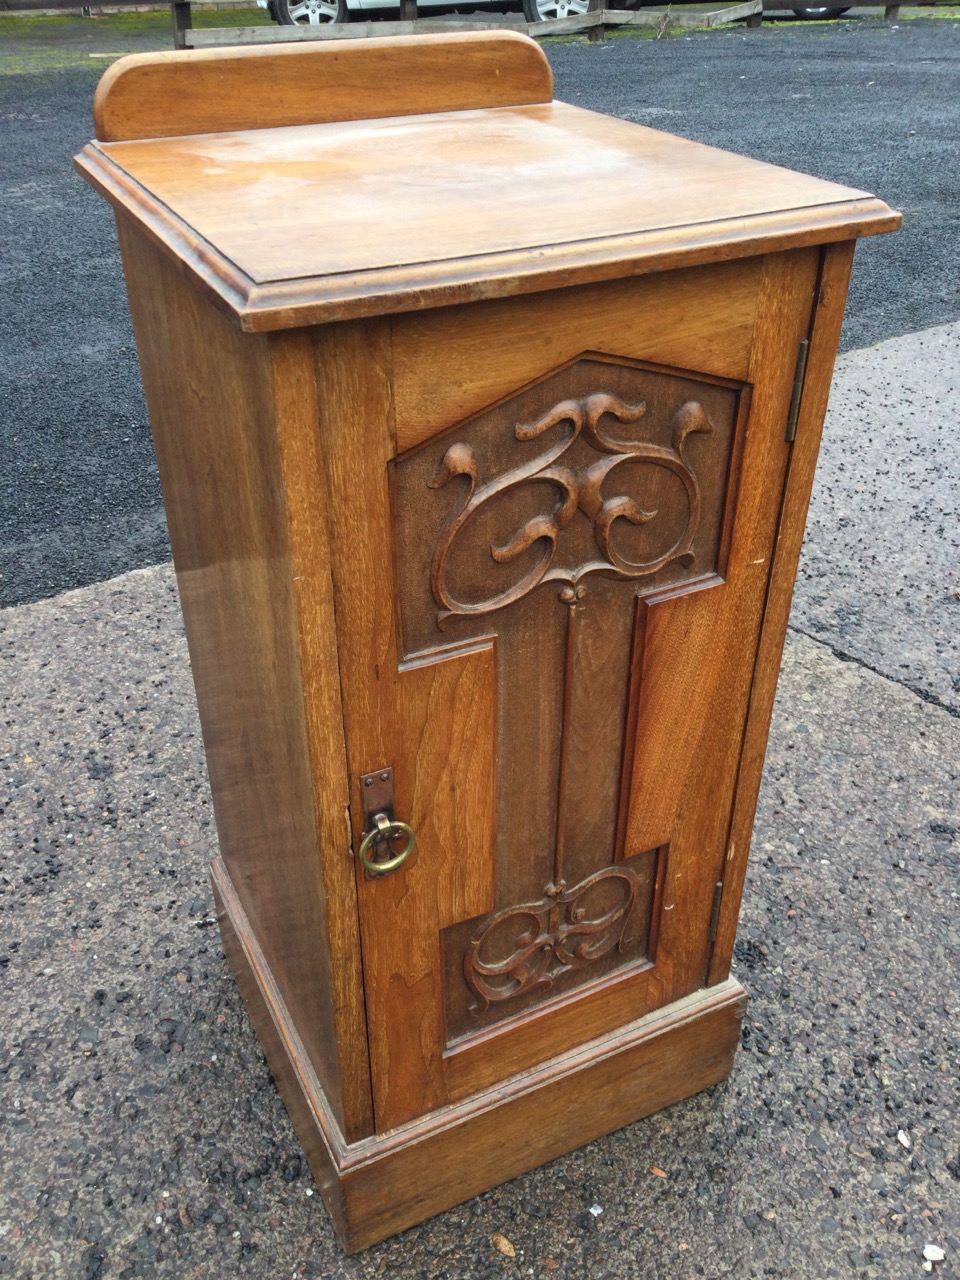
[[543, 10], [819, 13], [296, 13]]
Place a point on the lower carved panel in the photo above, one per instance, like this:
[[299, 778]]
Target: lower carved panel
[[499, 965]]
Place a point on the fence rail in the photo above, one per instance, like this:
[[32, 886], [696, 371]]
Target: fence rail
[[593, 24]]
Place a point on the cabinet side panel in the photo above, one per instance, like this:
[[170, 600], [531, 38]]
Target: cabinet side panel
[[824, 332], [210, 396]]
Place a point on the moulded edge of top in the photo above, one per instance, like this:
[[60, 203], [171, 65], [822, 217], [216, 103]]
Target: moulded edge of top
[[307, 300]]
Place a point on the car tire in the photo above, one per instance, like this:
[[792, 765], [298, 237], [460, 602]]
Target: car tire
[[544, 10], [819, 13], [313, 13]]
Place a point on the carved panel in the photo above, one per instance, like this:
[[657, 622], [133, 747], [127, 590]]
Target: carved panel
[[541, 521], [500, 965], [583, 492], [550, 937]]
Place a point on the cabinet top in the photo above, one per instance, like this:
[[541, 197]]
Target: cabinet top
[[300, 223]]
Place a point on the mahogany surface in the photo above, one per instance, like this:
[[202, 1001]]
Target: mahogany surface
[[509, 511]]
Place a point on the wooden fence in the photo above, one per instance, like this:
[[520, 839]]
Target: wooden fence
[[593, 24]]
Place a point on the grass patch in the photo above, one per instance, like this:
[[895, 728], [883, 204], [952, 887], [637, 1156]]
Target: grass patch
[[31, 43]]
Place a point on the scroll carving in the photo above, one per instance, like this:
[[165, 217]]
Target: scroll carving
[[555, 935], [578, 419], [606, 481]]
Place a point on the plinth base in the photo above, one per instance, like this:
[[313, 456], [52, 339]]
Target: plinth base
[[381, 1185]]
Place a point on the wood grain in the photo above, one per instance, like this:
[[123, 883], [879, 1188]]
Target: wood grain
[[164, 95], [564, 638], [331, 188], [355, 373], [536, 641], [301, 469], [612, 1082], [433, 721], [825, 325], [693, 686], [417, 533], [337, 183], [715, 309], [711, 641], [210, 393]]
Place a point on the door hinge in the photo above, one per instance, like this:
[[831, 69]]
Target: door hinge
[[715, 910], [797, 393]]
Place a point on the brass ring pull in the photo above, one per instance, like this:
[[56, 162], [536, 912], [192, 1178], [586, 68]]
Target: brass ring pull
[[383, 831]]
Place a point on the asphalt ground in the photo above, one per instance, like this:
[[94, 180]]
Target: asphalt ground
[[140, 1135], [863, 102], [139, 1131]]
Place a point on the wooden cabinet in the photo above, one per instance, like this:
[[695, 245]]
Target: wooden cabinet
[[486, 446]]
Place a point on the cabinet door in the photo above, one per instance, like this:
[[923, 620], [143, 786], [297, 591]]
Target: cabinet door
[[552, 523]]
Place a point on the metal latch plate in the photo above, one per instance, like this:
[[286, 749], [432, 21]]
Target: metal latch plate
[[377, 791]]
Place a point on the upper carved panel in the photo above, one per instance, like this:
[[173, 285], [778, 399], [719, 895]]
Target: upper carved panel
[[603, 468], [599, 489]]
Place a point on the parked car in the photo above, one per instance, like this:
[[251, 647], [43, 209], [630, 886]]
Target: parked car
[[819, 13], [315, 12]]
